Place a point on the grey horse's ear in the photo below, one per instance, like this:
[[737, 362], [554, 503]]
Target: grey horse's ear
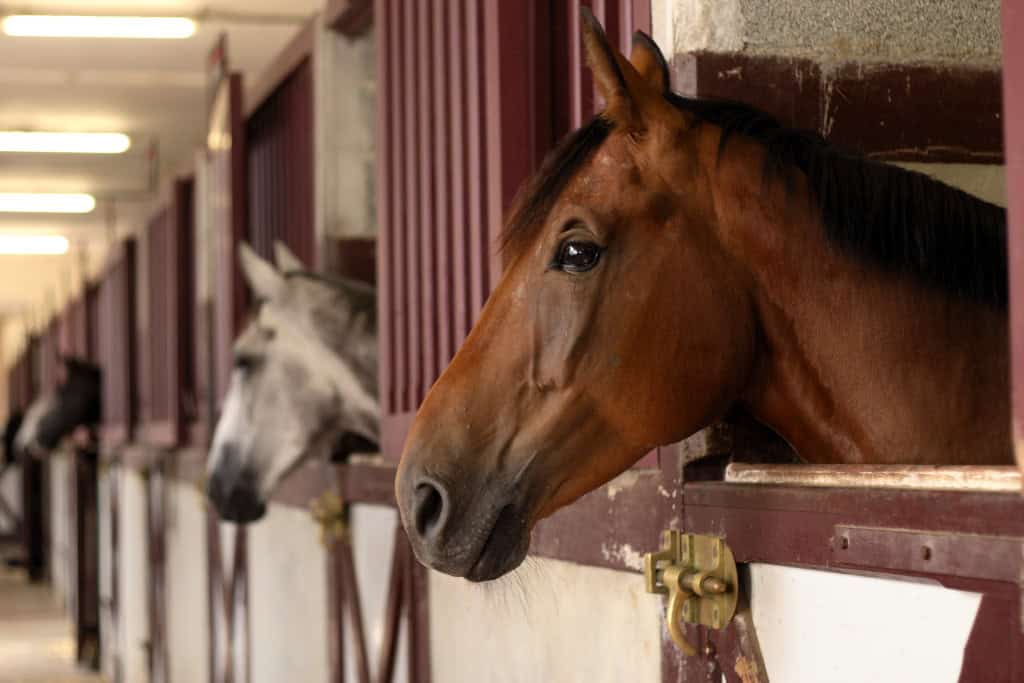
[[264, 280], [286, 260]]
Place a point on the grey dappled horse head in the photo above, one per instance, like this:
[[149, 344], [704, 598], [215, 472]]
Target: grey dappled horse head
[[304, 382], [77, 402]]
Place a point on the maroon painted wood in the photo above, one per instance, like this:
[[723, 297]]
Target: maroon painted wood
[[226, 184], [49, 357], [227, 188], [167, 379], [885, 111], [85, 476], [117, 347], [473, 94], [279, 145], [349, 17], [1013, 117]]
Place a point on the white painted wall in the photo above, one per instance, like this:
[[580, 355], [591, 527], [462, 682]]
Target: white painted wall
[[133, 576], [60, 539], [373, 530], [819, 626], [186, 585], [10, 489], [550, 621], [288, 599]]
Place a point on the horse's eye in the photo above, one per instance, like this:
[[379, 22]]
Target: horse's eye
[[578, 257], [245, 362]]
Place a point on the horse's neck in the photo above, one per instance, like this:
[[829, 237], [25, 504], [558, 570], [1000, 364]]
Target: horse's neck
[[858, 365]]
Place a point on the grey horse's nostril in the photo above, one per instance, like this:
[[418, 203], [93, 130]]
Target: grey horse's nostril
[[429, 509]]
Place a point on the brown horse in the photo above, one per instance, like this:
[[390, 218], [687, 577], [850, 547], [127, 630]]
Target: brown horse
[[676, 258]]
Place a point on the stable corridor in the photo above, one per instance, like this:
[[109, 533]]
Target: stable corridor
[[36, 641]]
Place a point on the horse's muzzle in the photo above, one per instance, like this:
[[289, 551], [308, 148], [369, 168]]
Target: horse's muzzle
[[462, 530], [234, 491]]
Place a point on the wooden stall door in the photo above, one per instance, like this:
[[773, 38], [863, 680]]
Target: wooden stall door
[[117, 350], [225, 188], [279, 146], [471, 97], [87, 548]]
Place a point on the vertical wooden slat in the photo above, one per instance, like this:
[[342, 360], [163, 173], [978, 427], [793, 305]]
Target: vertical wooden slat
[[460, 310], [475, 149], [427, 309], [385, 205], [411, 350], [442, 219], [280, 167], [1013, 106]]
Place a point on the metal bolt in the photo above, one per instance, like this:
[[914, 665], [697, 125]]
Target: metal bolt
[[713, 584]]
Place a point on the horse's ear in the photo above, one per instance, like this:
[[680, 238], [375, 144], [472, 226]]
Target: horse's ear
[[286, 260], [602, 60], [630, 97], [648, 60], [265, 282]]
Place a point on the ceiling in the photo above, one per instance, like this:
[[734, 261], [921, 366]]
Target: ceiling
[[153, 90]]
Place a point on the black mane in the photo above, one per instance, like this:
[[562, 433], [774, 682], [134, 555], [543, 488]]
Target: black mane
[[898, 220]]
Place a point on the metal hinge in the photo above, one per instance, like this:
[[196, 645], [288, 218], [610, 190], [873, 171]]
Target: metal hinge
[[330, 511], [698, 574]]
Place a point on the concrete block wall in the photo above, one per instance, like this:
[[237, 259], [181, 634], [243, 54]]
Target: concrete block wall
[[345, 131], [895, 31]]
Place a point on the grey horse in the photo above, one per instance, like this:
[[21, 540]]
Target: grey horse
[[304, 382]]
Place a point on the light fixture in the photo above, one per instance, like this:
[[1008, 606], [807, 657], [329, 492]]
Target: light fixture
[[67, 26], [12, 202], [64, 143], [52, 245]]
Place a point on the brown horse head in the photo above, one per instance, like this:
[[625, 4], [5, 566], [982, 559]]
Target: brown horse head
[[655, 278], [554, 392]]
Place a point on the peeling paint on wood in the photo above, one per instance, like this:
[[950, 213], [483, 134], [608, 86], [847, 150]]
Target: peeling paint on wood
[[895, 112]]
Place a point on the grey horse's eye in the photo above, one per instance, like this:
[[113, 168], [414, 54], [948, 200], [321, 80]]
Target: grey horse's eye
[[246, 361]]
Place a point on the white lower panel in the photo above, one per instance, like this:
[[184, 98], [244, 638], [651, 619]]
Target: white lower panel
[[373, 532], [825, 627], [60, 539], [133, 577], [186, 577], [288, 599], [550, 621], [10, 489]]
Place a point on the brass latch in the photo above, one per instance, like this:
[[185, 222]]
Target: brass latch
[[331, 514], [698, 574]]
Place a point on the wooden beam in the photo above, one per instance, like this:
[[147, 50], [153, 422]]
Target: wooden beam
[[931, 478], [894, 112]]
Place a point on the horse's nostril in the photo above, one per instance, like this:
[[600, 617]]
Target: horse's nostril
[[429, 508]]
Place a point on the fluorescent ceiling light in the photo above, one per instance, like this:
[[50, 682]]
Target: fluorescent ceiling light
[[64, 143], [33, 244], [53, 26], [46, 203]]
